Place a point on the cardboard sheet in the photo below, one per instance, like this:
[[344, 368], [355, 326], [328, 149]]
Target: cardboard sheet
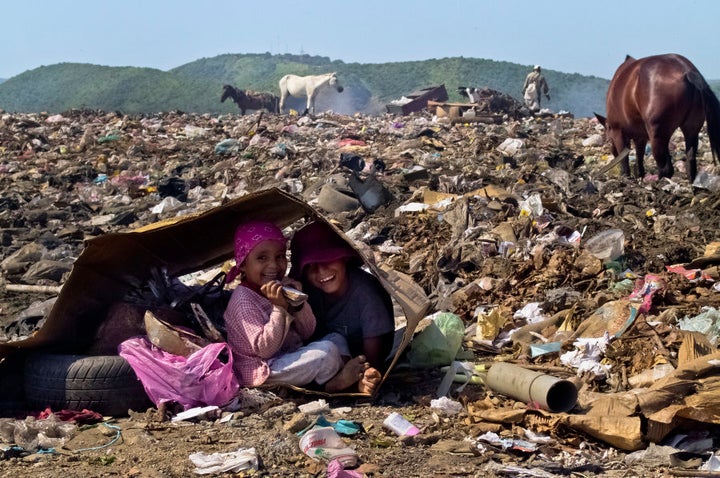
[[100, 276]]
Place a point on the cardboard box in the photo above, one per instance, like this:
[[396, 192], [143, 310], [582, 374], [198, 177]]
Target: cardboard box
[[462, 113], [419, 100]]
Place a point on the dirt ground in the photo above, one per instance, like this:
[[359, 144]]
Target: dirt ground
[[665, 222], [149, 448]]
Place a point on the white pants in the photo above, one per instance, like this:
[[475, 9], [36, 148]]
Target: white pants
[[315, 362]]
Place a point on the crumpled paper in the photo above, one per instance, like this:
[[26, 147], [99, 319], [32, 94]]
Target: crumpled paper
[[242, 459]]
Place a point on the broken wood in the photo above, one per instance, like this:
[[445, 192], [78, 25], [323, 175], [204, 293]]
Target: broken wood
[[623, 154], [43, 289], [696, 473], [253, 128], [488, 119]]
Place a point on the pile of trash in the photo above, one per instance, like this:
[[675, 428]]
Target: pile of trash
[[549, 263], [494, 102]]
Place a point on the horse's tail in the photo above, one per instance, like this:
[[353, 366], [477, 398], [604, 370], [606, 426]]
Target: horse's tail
[[712, 112]]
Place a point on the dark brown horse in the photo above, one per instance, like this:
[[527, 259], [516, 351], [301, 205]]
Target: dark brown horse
[[648, 99], [249, 100]]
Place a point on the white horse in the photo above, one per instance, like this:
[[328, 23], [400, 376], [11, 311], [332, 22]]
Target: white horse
[[307, 86]]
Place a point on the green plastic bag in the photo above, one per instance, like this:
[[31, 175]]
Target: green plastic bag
[[438, 343]]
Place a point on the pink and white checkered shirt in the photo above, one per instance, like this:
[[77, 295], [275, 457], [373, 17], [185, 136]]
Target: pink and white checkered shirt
[[257, 331]]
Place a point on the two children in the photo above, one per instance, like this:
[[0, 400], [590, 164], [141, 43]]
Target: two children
[[266, 334]]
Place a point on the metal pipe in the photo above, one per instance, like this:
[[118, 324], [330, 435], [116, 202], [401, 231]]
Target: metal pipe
[[536, 388]]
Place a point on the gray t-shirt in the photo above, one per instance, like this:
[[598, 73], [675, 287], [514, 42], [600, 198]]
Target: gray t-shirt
[[365, 311]]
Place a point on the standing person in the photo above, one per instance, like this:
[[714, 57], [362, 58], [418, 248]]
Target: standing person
[[535, 86], [266, 334], [345, 299]]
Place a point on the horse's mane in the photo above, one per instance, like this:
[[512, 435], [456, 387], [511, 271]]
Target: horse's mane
[[236, 94]]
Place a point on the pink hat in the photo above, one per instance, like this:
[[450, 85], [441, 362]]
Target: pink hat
[[247, 236], [317, 242]]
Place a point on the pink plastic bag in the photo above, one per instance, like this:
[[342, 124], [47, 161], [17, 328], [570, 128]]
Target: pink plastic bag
[[198, 380]]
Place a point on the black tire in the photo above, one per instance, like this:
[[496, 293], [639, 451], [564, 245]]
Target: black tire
[[104, 383]]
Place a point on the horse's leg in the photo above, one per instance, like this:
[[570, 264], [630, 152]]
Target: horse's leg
[[283, 95], [310, 104], [661, 153], [640, 144], [691, 145]]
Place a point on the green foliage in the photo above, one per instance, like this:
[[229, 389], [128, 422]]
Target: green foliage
[[66, 86], [715, 86], [197, 86]]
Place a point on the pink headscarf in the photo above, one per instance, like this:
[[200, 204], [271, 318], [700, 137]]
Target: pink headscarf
[[317, 242], [249, 235]]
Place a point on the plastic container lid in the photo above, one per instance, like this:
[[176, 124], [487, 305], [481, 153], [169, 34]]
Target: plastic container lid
[[607, 245]]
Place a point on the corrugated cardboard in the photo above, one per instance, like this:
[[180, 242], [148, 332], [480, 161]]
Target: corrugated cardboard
[[100, 276]]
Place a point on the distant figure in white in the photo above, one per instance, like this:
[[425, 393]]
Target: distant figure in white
[[535, 85], [307, 86]]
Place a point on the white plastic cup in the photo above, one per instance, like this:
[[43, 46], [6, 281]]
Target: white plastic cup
[[398, 425]]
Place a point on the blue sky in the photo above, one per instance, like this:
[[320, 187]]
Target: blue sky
[[590, 38]]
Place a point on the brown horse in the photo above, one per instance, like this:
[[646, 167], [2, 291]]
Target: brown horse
[[648, 99], [249, 100]]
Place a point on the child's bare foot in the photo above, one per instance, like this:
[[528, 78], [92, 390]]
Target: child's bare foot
[[350, 374], [370, 381]]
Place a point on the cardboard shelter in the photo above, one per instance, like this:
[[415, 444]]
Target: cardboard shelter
[[110, 264]]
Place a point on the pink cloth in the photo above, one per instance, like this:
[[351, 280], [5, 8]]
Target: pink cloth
[[249, 235], [317, 242], [84, 417], [257, 331]]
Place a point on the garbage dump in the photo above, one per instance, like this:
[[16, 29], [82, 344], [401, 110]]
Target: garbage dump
[[535, 255]]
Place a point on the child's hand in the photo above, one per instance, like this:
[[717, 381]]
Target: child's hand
[[273, 291], [292, 283]]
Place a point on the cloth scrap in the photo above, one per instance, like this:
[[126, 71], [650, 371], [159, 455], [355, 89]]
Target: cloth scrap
[[242, 459]]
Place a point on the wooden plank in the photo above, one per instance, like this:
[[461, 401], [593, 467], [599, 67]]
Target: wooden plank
[[489, 119], [623, 154], [438, 103]]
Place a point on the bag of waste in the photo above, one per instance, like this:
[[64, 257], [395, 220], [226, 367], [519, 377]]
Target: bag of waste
[[203, 378], [439, 342]]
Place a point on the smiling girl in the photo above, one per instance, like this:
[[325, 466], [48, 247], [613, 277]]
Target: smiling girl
[[265, 333], [346, 299]]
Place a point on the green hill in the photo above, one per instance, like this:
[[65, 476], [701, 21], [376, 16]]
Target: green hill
[[197, 86], [66, 86]]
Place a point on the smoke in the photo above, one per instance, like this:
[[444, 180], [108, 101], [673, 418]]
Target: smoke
[[342, 103], [353, 99], [583, 101]]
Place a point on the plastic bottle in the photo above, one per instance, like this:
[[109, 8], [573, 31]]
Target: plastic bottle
[[399, 425]]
